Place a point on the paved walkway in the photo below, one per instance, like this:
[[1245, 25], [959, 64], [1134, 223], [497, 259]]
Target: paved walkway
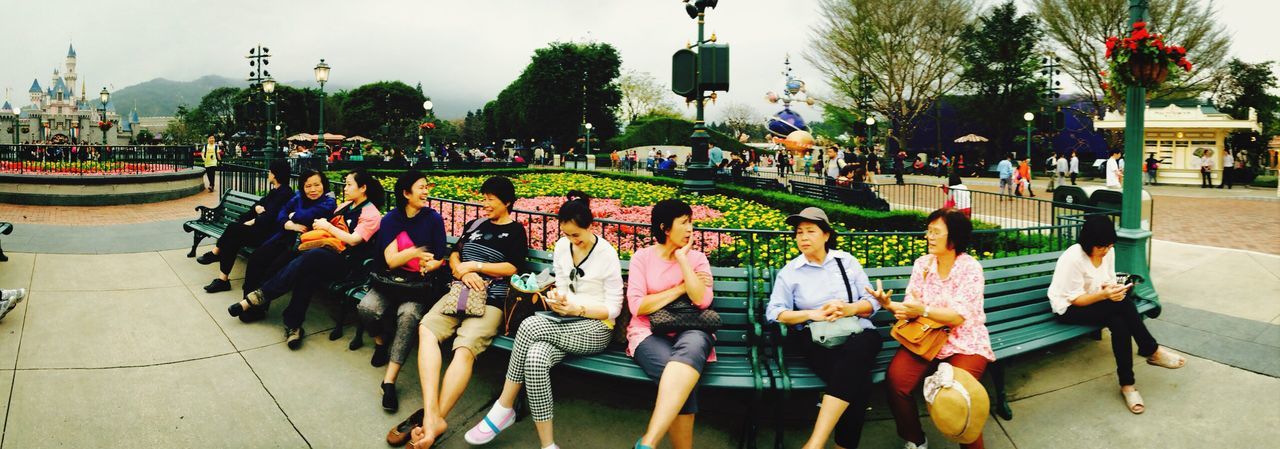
[[126, 350]]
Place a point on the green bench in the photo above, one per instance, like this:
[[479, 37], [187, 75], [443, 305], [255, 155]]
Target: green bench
[[756, 182], [1019, 320], [213, 221], [5, 229], [860, 195], [738, 366]]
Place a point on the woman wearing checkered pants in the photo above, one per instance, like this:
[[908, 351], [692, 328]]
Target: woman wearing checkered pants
[[587, 297]]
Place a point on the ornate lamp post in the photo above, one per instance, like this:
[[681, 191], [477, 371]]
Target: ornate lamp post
[[871, 123], [1131, 242], [1029, 117], [586, 151], [105, 97], [699, 175], [425, 138], [322, 76], [268, 88]]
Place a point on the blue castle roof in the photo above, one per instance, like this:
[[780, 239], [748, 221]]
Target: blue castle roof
[[6, 107], [133, 118], [60, 86], [71, 51], [35, 87]]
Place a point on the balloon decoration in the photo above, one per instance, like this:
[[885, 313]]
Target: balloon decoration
[[787, 127]]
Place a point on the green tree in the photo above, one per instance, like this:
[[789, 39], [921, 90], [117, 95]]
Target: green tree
[[1247, 86], [383, 111], [180, 131], [999, 65], [1081, 27], [908, 54], [219, 112]]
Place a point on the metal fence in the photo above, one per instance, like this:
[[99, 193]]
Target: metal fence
[[95, 160]]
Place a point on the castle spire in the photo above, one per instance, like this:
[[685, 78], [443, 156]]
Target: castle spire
[[71, 51]]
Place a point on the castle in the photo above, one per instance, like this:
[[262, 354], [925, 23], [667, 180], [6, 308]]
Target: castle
[[59, 113]]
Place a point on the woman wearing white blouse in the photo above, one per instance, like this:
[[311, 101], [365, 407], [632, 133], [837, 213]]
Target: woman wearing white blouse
[[587, 297], [1084, 291]]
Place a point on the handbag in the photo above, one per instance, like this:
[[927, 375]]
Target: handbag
[[320, 238], [681, 315], [525, 299], [463, 301], [830, 334], [399, 283], [922, 336]]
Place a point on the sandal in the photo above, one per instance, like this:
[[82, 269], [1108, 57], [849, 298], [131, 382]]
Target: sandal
[[1134, 401], [1165, 359]]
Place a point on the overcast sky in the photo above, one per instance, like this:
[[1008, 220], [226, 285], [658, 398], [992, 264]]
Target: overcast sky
[[463, 52]]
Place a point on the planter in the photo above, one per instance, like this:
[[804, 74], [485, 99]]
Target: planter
[[1148, 74]]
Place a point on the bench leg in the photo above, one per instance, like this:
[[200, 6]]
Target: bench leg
[[1000, 406], [3, 258], [338, 314], [1096, 335], [197, 237]]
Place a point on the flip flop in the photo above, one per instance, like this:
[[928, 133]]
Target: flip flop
[[1133, 399], [1167, 360]]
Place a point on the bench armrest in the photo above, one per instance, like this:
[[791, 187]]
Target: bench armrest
[[209, 214]]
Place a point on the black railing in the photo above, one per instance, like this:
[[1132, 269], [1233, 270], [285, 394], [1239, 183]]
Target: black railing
[[95, 160]]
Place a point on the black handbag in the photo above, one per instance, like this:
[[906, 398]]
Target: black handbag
[[681, 315], [401, 284]]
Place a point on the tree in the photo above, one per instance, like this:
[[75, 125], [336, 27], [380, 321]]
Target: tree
[[1081, 28], [1246, 86], [218, 112], [907, 54], [999, 61], [740, 119], [180, 131], [385, 111], [642, 95]]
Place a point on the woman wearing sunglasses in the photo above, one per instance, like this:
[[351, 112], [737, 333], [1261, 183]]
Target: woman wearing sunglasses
[[587, 297]]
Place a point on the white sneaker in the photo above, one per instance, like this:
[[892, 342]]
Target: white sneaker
[[910, 445], [15, 295]]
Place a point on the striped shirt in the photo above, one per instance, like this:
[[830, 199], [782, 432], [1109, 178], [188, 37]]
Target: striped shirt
[[492, 243]]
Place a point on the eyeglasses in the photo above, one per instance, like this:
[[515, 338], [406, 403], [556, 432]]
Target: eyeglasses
[[931, 234]]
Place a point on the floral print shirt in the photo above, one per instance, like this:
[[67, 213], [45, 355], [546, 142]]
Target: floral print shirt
[[960, 291]]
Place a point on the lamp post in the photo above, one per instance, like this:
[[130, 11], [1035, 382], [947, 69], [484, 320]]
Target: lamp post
[[699, 175], [426, 134], [587, 146], [1028, 117], [275, 143], [1131, 239], [322, 76], [105, 97], [268, 88], [871, 123]]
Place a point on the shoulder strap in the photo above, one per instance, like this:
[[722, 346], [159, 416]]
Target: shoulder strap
[[847, 289]]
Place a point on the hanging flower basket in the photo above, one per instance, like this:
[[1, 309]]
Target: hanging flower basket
[[104, 125], [1141, 59], [427, 126]]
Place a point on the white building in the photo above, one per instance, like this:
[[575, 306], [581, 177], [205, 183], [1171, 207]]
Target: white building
[[1175, 131], [58, 113]]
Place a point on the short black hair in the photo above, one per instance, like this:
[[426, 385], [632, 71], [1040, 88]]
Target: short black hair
[[664, 216], [502, 188], [308, 173], [959, 228], [405, 184], [1097, 231], [576, 208], [282, 170], [955, 179]]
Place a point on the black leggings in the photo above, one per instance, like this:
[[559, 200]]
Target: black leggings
[[208, 174], [1125, 323], [846, 369], [268, 260], [305, 274], [237, 236]]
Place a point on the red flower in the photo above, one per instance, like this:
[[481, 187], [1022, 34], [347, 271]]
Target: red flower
[[1139, 25], [1140, 34]]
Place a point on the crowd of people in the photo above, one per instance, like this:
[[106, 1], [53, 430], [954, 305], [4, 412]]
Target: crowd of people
[[304, 239]]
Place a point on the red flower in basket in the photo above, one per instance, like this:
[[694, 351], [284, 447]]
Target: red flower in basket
[[104, 125], [427, 125]]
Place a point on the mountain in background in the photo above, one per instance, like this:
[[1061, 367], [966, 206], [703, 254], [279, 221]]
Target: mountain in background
[[160, 97]]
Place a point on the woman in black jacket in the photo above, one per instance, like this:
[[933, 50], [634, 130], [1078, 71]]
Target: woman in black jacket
[[251, 229]]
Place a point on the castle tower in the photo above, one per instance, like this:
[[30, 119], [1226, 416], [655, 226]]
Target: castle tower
[[37, 95], [70, 77]]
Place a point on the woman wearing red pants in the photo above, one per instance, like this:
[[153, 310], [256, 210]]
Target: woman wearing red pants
[[945, 286]]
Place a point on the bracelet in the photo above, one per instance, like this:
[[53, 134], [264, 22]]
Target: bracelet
[[926, 311]]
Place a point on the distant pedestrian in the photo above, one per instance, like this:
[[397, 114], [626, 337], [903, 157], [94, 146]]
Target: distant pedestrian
[[1075, 167], [808, 162], [1005, 170], [1228, 169], [1024, 177], [1051, 164], [1061, 168], [1206, 170], [210, 157], [899, 166], [1114, 171], [1151, 166]]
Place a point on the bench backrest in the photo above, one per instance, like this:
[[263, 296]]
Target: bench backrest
[[234, 204]]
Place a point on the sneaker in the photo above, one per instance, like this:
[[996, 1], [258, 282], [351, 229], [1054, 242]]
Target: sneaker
[[390, 401], [218, 285], [207, 258], [910, 445], [293, 337], [15, 295], [381, 355], [490, 426]]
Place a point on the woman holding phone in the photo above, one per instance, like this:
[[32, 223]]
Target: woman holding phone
[[1085, 291]]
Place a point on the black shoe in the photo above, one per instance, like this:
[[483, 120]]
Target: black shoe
[[293, 337], [207, 258], [218, 285], [390, 401], [380, 356], [251, 315], [235, 309]]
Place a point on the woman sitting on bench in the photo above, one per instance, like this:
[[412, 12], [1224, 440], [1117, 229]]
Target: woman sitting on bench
[[587, 297], [946, 286], [823, 285], [1085, 291], [326, 261], [250, 229], [312, 203], [659, 275], [490, 249]]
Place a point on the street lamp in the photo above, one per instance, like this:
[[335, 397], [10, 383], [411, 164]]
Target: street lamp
[[1028, 117], [105, 97], [587, 148], [322, 76], [275, 145], [425, 137], [268, 88], [699, 174], [871, 122]]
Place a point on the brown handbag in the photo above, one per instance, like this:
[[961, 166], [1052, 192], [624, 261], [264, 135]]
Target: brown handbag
[[922, 336]]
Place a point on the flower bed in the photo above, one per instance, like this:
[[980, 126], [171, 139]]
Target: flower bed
[[78, 168]]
